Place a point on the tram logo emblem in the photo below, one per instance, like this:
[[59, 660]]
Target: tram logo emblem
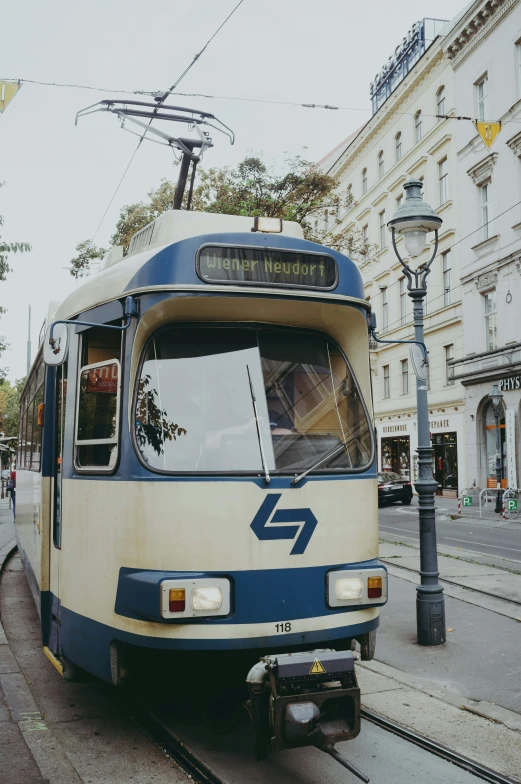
[[265, 528]]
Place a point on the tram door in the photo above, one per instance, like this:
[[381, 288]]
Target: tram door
[[56, 490]]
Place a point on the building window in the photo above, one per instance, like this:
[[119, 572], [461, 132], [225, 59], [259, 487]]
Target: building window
[[449, 369], [385, 311], [387, 386], [398, 145], [364, 181], [417, 126], [30, 431], [447, 298], [405, 376], [381, 164], [482, 97], [486, 210], [443, 177], [403, 301], [491, 320], [365, 235], [440, 102], [399, 200], [383, 230]]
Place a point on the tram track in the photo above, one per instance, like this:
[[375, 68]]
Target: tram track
[[455, 584], [190, 762], [436, 748], [202, 773]]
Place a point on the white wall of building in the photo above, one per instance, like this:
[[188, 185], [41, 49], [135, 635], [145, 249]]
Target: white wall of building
[[381, 270], [486, 44]]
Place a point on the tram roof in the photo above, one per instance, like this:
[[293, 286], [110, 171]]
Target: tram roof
[[173, 267]]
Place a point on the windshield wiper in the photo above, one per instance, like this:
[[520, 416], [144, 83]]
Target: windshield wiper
[[329, 455], [259, 436]]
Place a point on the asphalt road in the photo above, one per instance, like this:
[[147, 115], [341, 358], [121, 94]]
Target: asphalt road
[[498, 537]]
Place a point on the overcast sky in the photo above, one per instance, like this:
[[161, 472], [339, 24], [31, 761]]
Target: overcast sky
[[59, 178]]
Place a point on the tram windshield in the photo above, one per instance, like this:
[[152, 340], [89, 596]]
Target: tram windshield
[[195, 407]]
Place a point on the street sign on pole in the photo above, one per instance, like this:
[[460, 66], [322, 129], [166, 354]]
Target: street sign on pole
[[467, 500], [8, 91], [511, 504]]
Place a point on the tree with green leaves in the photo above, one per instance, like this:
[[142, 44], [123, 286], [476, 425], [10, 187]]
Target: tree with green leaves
[[152, 426], [299, 192]]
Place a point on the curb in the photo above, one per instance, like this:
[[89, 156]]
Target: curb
[[487, 710]]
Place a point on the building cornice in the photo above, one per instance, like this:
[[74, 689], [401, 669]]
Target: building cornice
[[384, 118], [515, 144], [482, 171], [473, 27], [396, 184], [365, 213], [417, 165], [440, 143], [380, 198]]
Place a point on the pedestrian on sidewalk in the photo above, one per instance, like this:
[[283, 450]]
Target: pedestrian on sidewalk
[[11, 488]]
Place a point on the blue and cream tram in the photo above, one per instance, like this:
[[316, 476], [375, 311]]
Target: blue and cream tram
[[207, 473]]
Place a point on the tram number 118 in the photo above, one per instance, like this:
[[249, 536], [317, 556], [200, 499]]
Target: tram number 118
[[283, 627]]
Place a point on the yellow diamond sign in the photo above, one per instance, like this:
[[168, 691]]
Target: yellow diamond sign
[[488, 132], [8, 91]]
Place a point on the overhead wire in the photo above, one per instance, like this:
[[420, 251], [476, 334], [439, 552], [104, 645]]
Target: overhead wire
[[246, 99], [160, 102]]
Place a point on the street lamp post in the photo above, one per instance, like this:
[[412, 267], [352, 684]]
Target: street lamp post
[[413, 220], [496, 398]]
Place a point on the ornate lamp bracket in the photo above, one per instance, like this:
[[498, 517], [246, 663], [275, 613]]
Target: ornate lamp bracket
[[416, 279]]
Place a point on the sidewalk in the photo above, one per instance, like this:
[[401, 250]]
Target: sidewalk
[[7, 531], [53, 731]]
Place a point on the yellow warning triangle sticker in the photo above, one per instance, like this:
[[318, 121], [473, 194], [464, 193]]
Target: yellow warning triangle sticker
[[8, 91], [317, 668], [488, 132]]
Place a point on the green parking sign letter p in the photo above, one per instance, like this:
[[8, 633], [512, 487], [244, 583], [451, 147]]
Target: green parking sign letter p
[[467, 500], [512, 504]]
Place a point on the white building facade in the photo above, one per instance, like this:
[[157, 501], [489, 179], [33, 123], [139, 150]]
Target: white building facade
[[484, 51], [403, 139]]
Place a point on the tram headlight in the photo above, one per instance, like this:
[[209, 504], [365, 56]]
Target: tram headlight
[[349, 588], [210, 598], [202, 597]]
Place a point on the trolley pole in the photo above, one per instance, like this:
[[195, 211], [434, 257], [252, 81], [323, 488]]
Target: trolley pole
[[414, 219]]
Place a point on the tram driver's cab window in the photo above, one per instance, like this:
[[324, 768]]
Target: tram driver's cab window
[[244, 400], [97, 417]]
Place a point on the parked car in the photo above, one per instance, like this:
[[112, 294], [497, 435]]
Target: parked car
[[392, 487]]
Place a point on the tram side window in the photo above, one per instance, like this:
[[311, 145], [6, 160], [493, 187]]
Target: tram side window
[[30, 436], [98, 401]]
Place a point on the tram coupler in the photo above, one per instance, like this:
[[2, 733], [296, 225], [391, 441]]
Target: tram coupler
[[305, 699]]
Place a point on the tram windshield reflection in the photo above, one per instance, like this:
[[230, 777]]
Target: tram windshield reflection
[[194, 410]]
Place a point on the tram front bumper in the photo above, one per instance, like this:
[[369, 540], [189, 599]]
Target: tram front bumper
[[305, 699]]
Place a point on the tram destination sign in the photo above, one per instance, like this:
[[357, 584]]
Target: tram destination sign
[[266, 267]]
